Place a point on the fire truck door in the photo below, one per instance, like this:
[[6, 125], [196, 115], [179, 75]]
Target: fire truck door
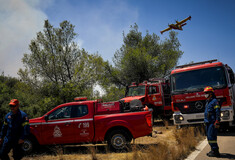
[[154, 96]]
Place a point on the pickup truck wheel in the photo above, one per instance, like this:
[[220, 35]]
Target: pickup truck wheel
[[28, 146], [119, 140]]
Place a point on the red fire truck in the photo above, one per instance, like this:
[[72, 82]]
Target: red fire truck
[[188, 99], [154, 93], [88, 121]]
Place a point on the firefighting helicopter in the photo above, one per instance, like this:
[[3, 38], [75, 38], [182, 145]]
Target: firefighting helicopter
[[177, 25]]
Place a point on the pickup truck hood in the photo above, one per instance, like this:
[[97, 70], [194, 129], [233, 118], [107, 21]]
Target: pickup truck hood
[[36, 120], [128, 99]]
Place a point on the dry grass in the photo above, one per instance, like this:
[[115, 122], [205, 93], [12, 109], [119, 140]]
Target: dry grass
[[177, 145], [173, 144]]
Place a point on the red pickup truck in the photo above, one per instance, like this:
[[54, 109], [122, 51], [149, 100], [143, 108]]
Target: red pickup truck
[[88, 121]]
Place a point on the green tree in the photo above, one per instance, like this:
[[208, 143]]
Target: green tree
[[57, 67], [53, 54], [7, 92], [141, 58], [56, 70], [31, 101]]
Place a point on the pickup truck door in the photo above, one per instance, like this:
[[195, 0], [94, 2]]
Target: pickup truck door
[[154, 95], [84, 128], [59, 129]]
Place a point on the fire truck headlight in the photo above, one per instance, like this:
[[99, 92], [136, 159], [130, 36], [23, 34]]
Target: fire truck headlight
[[178, 118], [181, 118], [224, 114]]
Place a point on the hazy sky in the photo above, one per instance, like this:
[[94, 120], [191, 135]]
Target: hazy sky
[[100, 24]]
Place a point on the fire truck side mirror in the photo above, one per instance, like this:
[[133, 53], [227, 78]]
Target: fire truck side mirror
[[232, 79], [231, 76]]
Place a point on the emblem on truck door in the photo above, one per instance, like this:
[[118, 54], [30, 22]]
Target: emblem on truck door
[[57, 132], [199, 105]]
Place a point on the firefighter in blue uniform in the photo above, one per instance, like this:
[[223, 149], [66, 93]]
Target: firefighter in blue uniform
[[14, 130], [212, 121]]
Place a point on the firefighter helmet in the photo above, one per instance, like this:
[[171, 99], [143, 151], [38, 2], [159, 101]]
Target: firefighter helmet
[[208, 89]]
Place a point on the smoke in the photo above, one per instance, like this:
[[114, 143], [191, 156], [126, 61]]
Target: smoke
[[20, 20]]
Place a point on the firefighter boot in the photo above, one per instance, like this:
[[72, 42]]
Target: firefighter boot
[[209, 152], [213, 153]]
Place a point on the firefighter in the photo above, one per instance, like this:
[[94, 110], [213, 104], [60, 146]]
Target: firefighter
[[14, 130], [212, 121]]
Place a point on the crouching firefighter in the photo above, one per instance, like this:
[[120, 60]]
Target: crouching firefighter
[[14, 130], [212, 121]]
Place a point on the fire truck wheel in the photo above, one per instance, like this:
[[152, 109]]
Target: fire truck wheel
[[119, 140]]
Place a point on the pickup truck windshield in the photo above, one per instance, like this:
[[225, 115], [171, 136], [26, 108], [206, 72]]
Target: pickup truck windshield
[[136, 91], [196, 80]]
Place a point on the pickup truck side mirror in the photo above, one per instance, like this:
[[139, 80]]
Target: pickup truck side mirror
[[46, 118]]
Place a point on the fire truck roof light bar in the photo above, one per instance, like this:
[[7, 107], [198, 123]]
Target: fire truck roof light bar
[[156, 80], [194, 64]]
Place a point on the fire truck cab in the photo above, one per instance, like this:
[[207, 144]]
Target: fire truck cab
[[188, 98], [154, 93]]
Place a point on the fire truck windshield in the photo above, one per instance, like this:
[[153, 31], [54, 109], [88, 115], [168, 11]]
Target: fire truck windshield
[[136, 91], [196, 80]]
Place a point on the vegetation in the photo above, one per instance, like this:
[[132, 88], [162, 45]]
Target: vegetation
[[56, 70], [144, 57]]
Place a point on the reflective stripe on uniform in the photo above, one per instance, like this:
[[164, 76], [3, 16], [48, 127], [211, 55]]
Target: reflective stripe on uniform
[[216, 107], [5, 123], [25, 123], [212, 141]]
